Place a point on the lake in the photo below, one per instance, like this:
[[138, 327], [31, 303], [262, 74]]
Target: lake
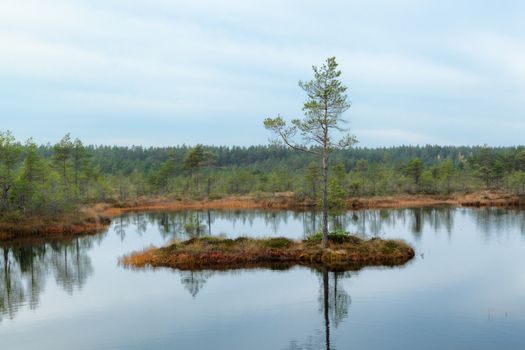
[[465, 289]]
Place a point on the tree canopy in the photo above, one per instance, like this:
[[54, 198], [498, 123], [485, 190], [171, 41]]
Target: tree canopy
[[321, 129]]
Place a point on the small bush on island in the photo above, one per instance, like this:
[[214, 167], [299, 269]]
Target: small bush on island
[[279, 242], [337, 236]]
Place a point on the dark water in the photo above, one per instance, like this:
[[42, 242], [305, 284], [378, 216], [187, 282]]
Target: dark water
[[464, 290]]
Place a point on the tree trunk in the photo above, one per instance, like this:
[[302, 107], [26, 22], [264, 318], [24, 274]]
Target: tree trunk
[[326, 306], [64, 175], [325, 199], [209, 223], [208, 186], [77, 168]]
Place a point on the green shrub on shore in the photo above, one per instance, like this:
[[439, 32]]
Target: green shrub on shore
[[278, 242], [337, 236]]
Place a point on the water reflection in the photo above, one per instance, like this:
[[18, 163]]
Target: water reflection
[[490, 220], [194, 281], [364, 223], [334, 303], [26, 266]]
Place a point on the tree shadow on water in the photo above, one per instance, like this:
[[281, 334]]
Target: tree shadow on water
[[334, 302], [25, 267]]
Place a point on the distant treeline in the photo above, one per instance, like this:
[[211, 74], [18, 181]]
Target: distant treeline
[[124, 160], [51, 179]]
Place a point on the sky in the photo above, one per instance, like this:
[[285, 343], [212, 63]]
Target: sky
[[172, 72]]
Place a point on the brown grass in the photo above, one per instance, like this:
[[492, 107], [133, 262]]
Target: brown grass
[[212, 253], [284, 200], [476, 199], [97, 217], [287, 200], [86, 221]]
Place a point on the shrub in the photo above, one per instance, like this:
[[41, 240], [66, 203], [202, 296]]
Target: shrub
[[338, 236], [389, 247], [278, 242]]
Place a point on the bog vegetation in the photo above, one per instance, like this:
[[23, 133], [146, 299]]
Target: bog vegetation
[[55, 179], [345, 252]]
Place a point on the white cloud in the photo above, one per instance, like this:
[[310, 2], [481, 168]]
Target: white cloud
[[501, 57], [402, 71], [231, 59], [378, 137]]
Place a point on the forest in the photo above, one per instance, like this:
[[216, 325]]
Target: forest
[[53, 179]]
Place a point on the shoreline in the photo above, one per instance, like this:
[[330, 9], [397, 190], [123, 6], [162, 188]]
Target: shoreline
[[95, 218], [284, 201], [54, 228]]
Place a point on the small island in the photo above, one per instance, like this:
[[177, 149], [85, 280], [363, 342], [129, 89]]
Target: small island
[[344, 252]]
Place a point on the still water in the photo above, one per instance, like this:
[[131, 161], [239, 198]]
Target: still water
[[465, 289]]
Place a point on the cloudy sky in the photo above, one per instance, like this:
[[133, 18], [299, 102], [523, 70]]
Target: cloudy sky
[[164, 72]]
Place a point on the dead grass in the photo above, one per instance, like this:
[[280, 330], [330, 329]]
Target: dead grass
[[475, 199], [287, 200], [97, 217], [86, 221], [222, 253]]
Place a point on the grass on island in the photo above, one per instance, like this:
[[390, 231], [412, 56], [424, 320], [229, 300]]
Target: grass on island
[[345, 252]]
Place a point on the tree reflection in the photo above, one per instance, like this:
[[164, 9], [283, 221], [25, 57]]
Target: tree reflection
[[30, 261], [71, 265], [120, 225], [310, 223], [363, 223], [182, 225], [193, 281], [417, 223], [140, 222], [25, 267], [497, 221], [13, 293], [334, 303]]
